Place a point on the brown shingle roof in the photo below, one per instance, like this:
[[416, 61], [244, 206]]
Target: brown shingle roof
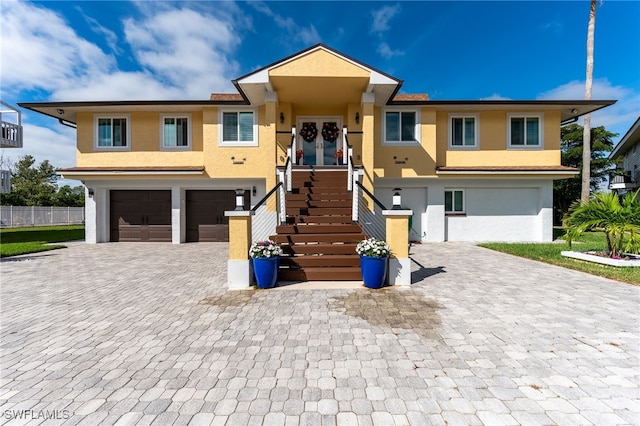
[[411, 97], [226, 97]]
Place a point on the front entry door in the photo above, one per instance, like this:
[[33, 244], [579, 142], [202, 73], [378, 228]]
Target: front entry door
[[319, 138]]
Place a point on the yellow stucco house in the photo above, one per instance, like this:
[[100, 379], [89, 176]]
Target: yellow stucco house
[[467, 170]]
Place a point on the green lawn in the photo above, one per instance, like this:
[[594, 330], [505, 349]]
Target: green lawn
[[550, 253], [15, 241]]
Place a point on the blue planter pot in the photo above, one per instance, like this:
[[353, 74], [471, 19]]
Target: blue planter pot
[[266, 271], [374, 271]]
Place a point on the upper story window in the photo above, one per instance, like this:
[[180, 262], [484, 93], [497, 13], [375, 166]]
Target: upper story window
[[463, 131], [401, 127], [112, 132], [176, 131], [238, 127], [525, 131]]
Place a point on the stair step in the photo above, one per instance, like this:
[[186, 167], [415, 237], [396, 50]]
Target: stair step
[[330, 260], [328, 249], [318, 238], [319, 203], [323, 219], [319, 173], [318, 229], [318, 190], [326, 196], [320, 274], [319, 211]]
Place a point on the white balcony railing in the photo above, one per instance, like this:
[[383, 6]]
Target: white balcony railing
[[10, 132]]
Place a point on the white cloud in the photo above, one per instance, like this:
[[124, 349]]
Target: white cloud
[[380, 25], [382, 16], [182, 53], [305, 35], [41, 51], [186, 49], [495, 97], [386, 52], [616, 118]]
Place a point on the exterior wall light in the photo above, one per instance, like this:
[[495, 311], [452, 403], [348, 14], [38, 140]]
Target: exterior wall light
[[239, 199], [397, 199], [281, 117], [357, 118]]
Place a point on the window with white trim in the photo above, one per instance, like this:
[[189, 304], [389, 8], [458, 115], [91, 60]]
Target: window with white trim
[[454, 201], [112, 132], [401, 127], [463, 131], [525, 131], [238, 127], [175, 132]]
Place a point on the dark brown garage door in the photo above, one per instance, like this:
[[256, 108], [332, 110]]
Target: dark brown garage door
[[140, 216], [205, 214]]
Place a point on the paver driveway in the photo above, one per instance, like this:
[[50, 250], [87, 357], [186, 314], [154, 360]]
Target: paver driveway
[[148, 334]]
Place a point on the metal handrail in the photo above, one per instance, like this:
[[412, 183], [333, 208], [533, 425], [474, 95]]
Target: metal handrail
[[264, 199], [373, 197]]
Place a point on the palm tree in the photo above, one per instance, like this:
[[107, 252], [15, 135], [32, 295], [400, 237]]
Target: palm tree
[[604, 212], [586, 152]]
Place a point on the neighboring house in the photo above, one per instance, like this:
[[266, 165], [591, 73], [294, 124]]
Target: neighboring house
[[626, 153], [10, 137], [167, 170]]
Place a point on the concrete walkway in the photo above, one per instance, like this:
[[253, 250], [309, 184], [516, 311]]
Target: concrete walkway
[[147, 334]]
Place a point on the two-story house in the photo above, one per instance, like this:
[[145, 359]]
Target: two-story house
[[627, 153], [479, 170]]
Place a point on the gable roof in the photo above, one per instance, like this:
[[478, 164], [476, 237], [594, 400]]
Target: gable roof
[[629, 139], [253, 86]]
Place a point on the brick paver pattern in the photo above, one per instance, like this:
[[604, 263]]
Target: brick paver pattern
[[148, 334]]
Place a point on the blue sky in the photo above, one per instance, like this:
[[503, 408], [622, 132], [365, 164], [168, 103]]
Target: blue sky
[[117, 50]]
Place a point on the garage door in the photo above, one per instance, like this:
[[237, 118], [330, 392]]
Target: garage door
[[205, 214], [140, 215]]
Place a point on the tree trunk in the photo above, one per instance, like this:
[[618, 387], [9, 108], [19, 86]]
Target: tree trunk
[[586, 140]]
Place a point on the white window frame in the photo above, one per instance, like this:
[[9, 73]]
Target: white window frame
[[189, 127], [540, 118], [476, 131], [96, 131], [464, 203], [222, 142], [416, 131]]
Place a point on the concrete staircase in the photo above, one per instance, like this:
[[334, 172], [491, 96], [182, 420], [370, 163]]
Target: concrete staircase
[[319, 240]]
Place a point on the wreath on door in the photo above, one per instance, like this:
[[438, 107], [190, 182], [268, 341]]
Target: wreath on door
[[330, 132], [309, 132]]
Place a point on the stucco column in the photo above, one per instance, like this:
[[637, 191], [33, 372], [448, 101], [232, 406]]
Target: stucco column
[[239, 263], [271, 109], [177, 213], [545, 212], [368, 143], [90, 217], [398, 239], [435, 217]]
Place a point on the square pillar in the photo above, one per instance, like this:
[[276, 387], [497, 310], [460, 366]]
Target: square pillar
[[239, 263], [397, 224], [178, 218]]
